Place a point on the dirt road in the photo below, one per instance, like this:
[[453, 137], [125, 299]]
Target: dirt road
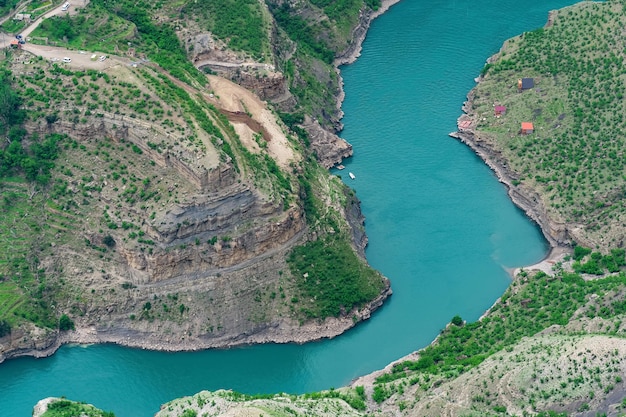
[[73, 9], [80, 60]]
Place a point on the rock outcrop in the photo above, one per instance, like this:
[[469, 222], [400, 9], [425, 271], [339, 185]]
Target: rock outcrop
[[528, 200], [200, 262], [329, 148]]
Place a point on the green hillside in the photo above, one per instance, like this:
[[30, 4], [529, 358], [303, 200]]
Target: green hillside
[[574, 158]]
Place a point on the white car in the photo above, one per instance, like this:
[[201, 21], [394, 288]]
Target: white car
[[102, 58], [67, 60]]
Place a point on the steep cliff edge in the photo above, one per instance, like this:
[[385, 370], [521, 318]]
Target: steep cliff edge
[[168, 217]]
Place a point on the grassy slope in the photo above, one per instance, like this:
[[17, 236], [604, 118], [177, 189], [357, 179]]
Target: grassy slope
[[318, 29], [326, 404], [71, 207], [65, 408]]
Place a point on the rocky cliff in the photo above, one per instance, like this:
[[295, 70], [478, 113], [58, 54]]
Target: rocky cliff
[[173, 232]]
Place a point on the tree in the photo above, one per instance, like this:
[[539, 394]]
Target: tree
[[66, 323], [5, 328], [109, 241], [10, 113], [457, 320]]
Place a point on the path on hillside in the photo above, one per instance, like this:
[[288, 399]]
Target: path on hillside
[[235, 102], [7, 38], [208, 62]]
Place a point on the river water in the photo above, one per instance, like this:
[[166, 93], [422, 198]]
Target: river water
[[440, 226]]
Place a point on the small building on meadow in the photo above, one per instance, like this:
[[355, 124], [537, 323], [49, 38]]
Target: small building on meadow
[[527, 128], [525, 83], [499, 110]]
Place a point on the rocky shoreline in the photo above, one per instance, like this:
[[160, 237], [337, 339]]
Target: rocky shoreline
[[281, 331], [559, 235]]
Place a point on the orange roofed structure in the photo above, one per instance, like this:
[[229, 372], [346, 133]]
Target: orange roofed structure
[[465, 124], [527, 128]]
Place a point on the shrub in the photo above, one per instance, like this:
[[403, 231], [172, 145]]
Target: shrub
[[109, 241], [580, 252], [65, 323], [380, 394], [5, 328]]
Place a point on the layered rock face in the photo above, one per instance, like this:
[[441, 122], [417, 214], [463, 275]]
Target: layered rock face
[[220, 219], [260, 78], [198, 259], [202, 264], [192, 166]]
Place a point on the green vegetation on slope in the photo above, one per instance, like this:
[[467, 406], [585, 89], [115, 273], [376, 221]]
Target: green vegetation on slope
[[25, 165], [93, 28], [105, 25], [6, 6], [66, 408], [519, 313], [344, 402], [316, 32], [331, 278], [308, 37], [52, 187], [531, 305], [575, 157], [240, 23], [344, 13]]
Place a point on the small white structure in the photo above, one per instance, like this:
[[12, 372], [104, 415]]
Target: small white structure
[[22, 16]]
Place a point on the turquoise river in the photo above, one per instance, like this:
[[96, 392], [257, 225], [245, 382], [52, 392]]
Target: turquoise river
[[440, 226]]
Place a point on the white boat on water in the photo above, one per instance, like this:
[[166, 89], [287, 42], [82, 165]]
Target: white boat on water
[[351, 175]]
